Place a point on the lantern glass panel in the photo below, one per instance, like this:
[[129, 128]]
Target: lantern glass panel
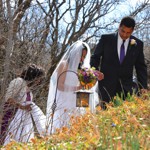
[[82, 99]]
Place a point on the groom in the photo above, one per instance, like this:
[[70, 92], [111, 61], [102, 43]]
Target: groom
[[116, 55]]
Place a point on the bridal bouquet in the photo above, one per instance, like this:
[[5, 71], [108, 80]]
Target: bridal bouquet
[[87, 77]]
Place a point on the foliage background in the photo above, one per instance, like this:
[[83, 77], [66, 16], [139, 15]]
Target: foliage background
[[36, 31]]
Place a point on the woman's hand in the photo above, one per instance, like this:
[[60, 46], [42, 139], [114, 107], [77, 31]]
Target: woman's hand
[[79, 87], [25, 107], [12, 102], [28, 107]]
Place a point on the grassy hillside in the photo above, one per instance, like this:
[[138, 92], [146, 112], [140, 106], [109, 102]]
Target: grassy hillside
[[124, 126]]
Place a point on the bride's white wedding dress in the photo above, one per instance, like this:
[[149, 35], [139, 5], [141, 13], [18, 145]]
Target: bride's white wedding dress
[[65, 100], [65, 108]]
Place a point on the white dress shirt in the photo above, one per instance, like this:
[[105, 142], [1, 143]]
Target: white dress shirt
[[119, 42]]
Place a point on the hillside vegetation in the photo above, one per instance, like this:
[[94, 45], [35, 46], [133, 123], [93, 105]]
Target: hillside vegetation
[[124, 125]]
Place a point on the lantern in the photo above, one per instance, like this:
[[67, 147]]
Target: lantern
[[83, 97]]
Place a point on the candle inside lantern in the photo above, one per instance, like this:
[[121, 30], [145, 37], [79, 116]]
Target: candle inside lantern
[[83, 98]]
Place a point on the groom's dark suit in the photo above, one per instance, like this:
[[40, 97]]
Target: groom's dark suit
[[116, 75]]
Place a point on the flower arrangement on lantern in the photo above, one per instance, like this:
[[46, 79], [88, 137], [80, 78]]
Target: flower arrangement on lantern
[[87, 77]]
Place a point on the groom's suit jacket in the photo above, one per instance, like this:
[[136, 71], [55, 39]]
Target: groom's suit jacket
[[105, 58]]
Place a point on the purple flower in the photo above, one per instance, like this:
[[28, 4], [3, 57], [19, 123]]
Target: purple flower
[[113, 125]]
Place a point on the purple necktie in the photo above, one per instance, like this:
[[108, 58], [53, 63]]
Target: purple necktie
[[122, 52]]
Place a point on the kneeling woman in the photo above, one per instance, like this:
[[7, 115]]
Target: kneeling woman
[[19, 110]]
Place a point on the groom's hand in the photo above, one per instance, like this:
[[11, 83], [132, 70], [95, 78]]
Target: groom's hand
[[100, 75]]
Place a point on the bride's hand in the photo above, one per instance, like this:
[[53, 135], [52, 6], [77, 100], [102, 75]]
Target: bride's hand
[[79, 87]]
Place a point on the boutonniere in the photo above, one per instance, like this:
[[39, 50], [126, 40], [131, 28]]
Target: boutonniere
[[133, 42]]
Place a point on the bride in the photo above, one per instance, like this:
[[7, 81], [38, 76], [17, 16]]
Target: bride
[[61, 104]]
